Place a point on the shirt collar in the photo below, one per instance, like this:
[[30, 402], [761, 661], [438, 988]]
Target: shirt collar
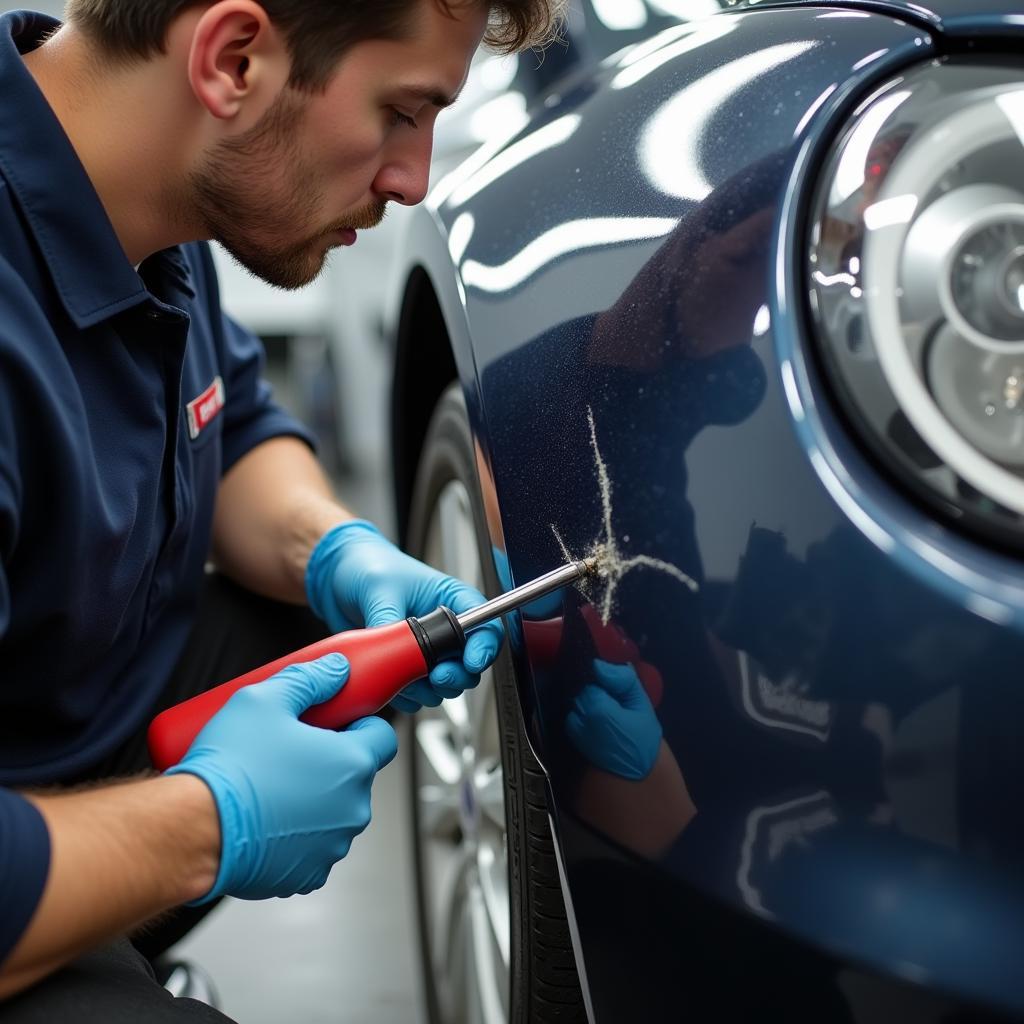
[[89, 267]]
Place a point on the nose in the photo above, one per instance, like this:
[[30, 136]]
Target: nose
[[404, 175]]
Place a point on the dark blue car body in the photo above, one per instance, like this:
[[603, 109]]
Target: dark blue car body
[[630, 284]]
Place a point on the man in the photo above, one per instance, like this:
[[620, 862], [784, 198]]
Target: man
[[137, 441]]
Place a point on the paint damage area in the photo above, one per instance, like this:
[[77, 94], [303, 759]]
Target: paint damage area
[[612, 563]]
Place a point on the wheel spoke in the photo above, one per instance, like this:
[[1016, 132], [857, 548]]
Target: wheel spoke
[[462, 832], [438, 813], [489, 789], [493, 872], [483, 717], [457, 713], [451, 905], [438, 754], [491, 988]]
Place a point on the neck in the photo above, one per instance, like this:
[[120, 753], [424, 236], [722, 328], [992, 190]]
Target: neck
[[131, 133]]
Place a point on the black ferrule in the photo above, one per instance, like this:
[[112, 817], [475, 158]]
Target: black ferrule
[[439, 634]]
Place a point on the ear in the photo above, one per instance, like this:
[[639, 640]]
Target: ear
[[237, 59]]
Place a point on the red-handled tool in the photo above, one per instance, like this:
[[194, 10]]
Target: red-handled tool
[[381, 660]]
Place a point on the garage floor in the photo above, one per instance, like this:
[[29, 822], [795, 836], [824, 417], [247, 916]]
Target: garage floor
[[345, 954]]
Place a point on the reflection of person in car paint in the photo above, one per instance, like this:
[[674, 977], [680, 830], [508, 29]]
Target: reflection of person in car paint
[[679, 335]]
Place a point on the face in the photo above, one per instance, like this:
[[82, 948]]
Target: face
[[318, 168]]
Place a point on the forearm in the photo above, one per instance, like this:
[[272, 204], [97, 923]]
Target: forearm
[[272, 508], [646, 816], [119, 855]]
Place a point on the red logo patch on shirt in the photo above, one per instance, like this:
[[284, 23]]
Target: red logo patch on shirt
[[203, 410]]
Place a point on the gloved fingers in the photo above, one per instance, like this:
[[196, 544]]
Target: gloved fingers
[[378, 737], [421, 693], [298, 687], [482, 647], [451, 676], [484, 643], [384, 604], [622, 682], [403, 704], [592, 702]]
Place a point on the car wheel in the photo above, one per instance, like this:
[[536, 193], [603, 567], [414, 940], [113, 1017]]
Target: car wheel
[[493, 932]]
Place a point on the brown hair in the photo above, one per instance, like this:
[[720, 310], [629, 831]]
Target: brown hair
[[317, 31]]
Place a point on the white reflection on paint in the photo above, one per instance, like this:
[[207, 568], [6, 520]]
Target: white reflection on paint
[[756, 826], [460, 235], [670, 140], [812, 110], [870, 58], [762, 321], [621, 15], [796, 405], [634, 54], [497, 140], [508, 110], [878, 536], [566, 238], [994, 611], [887, 212], [548, 137], [1012, 105], [850, 172], [689, 9], [643, 61]]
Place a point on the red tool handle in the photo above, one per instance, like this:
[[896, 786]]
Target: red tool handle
[[382, 661]]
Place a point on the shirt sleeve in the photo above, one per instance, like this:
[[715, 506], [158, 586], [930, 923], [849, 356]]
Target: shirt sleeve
[[24, 866], [251, 416], [24, 838]]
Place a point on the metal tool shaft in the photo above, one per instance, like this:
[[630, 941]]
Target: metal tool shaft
[[551, 581]]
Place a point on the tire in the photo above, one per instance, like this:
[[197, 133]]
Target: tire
[[473, 776]]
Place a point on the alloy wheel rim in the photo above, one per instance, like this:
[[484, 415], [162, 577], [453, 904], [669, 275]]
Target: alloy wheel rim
[[461, 812]]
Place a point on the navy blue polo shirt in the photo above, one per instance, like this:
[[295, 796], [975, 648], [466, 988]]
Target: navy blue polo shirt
[[125, 395]]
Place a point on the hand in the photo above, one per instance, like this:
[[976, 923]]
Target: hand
[[290, 796], [613, 724], [356, 577]]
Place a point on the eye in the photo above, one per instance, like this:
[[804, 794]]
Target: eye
[[397, 118]]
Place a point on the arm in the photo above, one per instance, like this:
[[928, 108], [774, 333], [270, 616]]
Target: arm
[[645, 816], [129, 842], [261, 805], [633, 789], [272, 508]]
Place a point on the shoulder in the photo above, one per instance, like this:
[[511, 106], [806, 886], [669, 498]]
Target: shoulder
[[21, 274]]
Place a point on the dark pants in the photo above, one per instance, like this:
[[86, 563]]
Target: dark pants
[[234, 632]]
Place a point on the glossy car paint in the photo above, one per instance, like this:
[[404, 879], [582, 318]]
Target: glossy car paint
[[954, 18], [841, 694]]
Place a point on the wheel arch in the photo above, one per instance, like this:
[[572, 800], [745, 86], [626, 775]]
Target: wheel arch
[[424, 365]]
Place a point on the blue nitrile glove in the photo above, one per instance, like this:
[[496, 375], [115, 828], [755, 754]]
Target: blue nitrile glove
[[613, 724], [356, 577], [290, 796]]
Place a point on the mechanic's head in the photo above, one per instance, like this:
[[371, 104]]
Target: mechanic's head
[[309, 116]]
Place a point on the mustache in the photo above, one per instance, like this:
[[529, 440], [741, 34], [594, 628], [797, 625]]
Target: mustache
[[364, 218]]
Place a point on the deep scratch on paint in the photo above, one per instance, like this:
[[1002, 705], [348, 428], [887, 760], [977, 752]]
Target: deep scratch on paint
[[612, 564]]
